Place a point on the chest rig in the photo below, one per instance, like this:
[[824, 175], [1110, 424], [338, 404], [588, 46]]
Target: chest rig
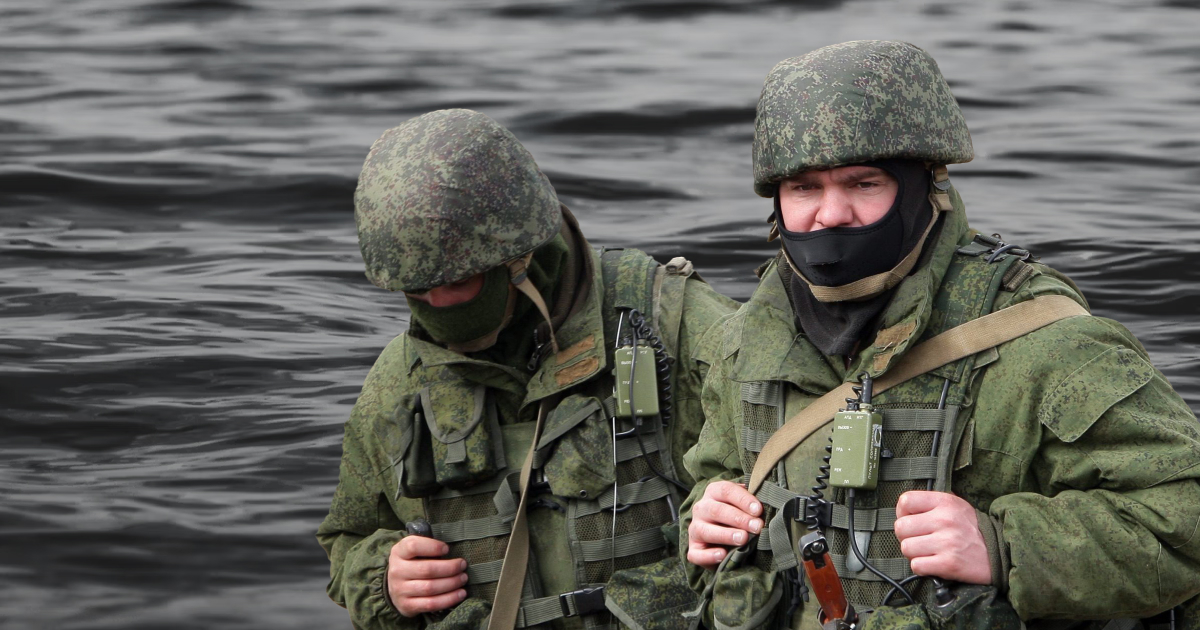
[[921, 434], [597, 503]]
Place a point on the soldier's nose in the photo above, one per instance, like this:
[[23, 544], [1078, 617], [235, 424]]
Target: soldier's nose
[[835, 210]]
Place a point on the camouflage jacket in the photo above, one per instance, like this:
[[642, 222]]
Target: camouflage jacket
[[367, 515], [1081, 460]]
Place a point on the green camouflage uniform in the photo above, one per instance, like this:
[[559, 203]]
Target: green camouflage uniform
[[1081, 460], [438, 183]]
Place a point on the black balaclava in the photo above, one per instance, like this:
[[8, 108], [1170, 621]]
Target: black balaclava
[[838, 256]]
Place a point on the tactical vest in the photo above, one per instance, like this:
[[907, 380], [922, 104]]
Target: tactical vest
[[464, 465], [921, 434]]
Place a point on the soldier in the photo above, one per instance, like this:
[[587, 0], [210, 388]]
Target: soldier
[[494, 471], [1032, 459]]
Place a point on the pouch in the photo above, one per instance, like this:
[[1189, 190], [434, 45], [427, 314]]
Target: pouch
[[415, 468], [975, 607], [470, 614], [912, 617], [575, 450], [466, 444], [652, 596], [746, 597]]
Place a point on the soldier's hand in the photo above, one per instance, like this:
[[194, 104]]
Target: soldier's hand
[[724, 517], [939, 534], [418, 582]]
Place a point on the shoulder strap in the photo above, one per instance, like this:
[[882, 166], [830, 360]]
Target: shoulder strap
[[507, 603], [630, 273], [668, 298], [961, 341], [636, 280]]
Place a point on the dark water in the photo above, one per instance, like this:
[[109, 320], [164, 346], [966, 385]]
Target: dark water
[[184, 323]]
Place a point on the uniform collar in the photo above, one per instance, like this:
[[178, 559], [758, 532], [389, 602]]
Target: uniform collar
[[769, 348], [907, 315], [581, 351]]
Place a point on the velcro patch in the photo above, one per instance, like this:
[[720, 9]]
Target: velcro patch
[[576, 372], [576, 349]]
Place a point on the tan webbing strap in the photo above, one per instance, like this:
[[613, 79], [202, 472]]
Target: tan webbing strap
[[871, 285], [961, 341], [520, 279], [516, 555]]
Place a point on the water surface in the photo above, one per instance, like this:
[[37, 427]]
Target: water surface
[[184, 323]]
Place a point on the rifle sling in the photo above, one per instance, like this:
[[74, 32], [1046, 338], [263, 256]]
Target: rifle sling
[[961, 341], [507, 603]]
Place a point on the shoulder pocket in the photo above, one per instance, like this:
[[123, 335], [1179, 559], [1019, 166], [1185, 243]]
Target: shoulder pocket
[[1081, 398]]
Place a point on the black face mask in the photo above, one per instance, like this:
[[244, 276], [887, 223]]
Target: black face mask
[[835, 327], [836, 256]]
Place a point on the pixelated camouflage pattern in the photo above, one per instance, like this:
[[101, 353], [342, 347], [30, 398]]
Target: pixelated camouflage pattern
[[447, 195], [582, 464], [367, 513], [472, 612], [746, 597], [974, 607], [464, 446], [898, 618], [1072, 446], [855, 102], [651, 597]]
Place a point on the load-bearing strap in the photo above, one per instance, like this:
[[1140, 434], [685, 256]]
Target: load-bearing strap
[[629, 494], [961, 341], [516, 557], [896, 568], [472, 529], [621, 546]]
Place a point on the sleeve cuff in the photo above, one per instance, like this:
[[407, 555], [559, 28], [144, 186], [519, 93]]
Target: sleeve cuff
[[997, 549], [366, 584]]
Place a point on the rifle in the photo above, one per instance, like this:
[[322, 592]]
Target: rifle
[[835, 612]]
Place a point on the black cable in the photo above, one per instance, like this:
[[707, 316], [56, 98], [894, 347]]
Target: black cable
[[638, 324], [815, 500], [941, 592], [887, 598], [858, 554], [864, 392], [662, 363]]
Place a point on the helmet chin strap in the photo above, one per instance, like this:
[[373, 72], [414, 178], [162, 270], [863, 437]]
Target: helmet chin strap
[[518, 281], [871, 286]]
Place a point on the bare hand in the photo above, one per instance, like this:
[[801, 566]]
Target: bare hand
[[417, 583], [939, 534], [724, 517]]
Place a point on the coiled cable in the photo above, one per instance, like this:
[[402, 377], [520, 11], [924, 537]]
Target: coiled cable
[[642, 330], [662, 362], [817, 498]]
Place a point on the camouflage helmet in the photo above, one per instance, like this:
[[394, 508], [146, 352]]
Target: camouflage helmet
[[447, 195], [855, 102]]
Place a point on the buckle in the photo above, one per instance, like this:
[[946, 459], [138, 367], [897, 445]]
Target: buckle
[[586, 600], [794, 509], [995, 249], [803, 509]]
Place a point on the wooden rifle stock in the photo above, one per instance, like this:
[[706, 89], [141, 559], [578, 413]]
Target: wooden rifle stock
[[826, 585]]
